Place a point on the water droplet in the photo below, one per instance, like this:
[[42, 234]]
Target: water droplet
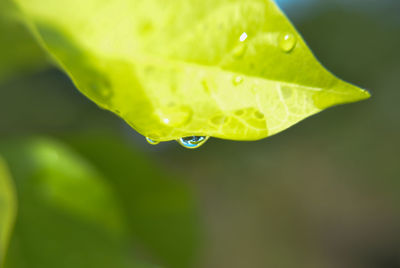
[[218, 120], [152, 142], [193, 142], [175, 115], [251, 116], [239, 112], [239, 51], [205, 86], [243, 37], [258, 115], [287, 42], [101, 91], [237, 80], [105, 92]]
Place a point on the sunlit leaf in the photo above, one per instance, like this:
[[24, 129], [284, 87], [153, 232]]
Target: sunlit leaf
[[8, 207], [233, 69]]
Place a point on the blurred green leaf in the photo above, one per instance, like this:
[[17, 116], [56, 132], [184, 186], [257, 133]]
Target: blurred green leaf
[[8, 209], [160, 209], [68, 214], [230, 69], [101, 202], [19, 52]]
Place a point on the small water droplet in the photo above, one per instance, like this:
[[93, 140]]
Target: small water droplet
[[175, 115], [205, 86], [239, 51], [287, 42], [193, 142], [105, 92], [218, 120], [259, 115], [152, 142], [101, 90], [243, 37], [237, 80], [239, 112]]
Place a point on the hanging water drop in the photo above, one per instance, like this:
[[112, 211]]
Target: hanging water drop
[[152, 142], [287, 42], [193, 142]]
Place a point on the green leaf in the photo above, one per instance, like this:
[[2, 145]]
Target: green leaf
[[19, 52], [233, 69], [68, 216], [8, 208]]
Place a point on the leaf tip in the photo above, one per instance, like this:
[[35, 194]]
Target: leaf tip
[[341, 94]]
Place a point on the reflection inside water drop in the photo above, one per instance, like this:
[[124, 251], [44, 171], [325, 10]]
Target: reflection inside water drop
[[193, 142], [152, 142]]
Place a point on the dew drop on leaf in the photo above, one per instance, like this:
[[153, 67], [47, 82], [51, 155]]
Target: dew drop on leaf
[[239, 51], [205, 86], [239, 112], [218, 120], [287, 42], [193, 142], [152, 142], [237, 80], [259, 115], [174, 115]]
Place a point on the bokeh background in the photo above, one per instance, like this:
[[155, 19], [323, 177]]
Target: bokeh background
[[325, 193]]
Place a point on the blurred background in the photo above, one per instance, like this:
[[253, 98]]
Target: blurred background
[[325, 193]]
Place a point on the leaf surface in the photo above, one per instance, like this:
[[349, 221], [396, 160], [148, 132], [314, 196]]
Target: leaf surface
[[233, 69]]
